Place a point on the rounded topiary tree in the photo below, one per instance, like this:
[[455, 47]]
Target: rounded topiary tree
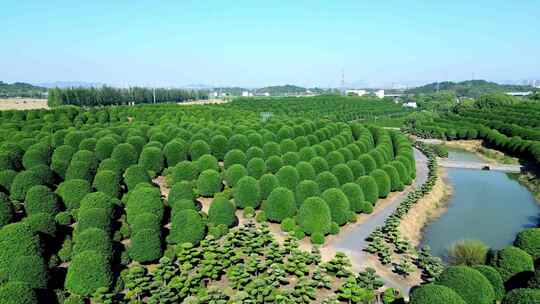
[[207, 162], [528, 240], [290, 158], [87, 272], [274, 163], [271, 148], [314, 216], [42, 223], [209, 183], [146, 221], [327, 180], [41, 199], [142, 200], [17, 292], [30, 269], [383, 182], [238, 141], [369, 188], [468, 283], [104, 147], [402, 171], [494, 278], [175, 151], [184, 171], [106, 181], [187, 226], [334, 158], [357, 168], [60, 159], [279, 205], [73, 191], [218, 145], [125, 154], [234, 173], [135, 175], [255, 152], [234, 157], [339, 205], [522, 296], [7, 213], [181, 191], [288, 177], [94, 239], [38, 154], [343, 173], [395, 180], [319, 164], [247, 193], [434, 294], [222, 212], [93, 218], [256, 167], [368, 162], [267, 183], [22, 183], [305, 171], [512, 262], [145, 246], [198, 148], [152, 160], [6, 179], [355, 195], [305, 190]]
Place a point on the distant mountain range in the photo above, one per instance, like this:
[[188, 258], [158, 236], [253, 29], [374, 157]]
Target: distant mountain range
[[70, 84], [469, 88]]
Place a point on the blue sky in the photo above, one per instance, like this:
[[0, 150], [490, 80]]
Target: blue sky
[[257, 43]]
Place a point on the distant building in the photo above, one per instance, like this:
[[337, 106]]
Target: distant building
[[356, 92], [213, 94], [379, 93], [266, 94], [247, 94], [519, 94], [410, 104]]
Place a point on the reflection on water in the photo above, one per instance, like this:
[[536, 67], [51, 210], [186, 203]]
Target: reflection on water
[[485, 205]]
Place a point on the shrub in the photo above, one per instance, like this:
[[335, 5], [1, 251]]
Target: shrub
[[395, 180], [512, 261], [357, 168], [6, 210], [288, 177], [104, 147], [218, 145], [334, 228], [111, 165], [528, 240], [274, 163], [38, 154], [16, 292], [343, 173], [107, 182], [494, 278], [87, 272], [198, 148], [94, 239], [254, 152], [234, 157], [73, 191], [181, 191], [175, 151], [247, 193], [319, 164], [256, 167], [260, 217], [29, 269], [522, 296], [80, 170], [383, 182], [142, 200], [402, 171], [267, 183], [279, 205], [184, 171], [355, 195], [317, 238], [6, 179], [61, 158], [17, 239], [249, 212], [125, 154], [234, 173], [145, 246], [470, 284], [238, 141], [290, 158], [327, 180], [338, 204], [98, 200], [209, 183], [41, 199], [288, 224], [42, 223], [271, 149], [306, 189], [222, 212], [151, 159], [467, 252], [74, 138], [93, 218], [134, 175], [368, 162], [22, 183], [434, 294], [64, 218], [370, 188], [288, 145], [207, 162], [305, 171], [186, 227], [314, 216]]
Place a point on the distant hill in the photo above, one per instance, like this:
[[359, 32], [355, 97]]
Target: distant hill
[[282, 90], [70, 84], [469, 88], [21, 89]]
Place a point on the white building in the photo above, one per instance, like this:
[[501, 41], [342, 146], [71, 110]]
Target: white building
[[356, 92], [410, 105], [379, 93], [213, 94], [247, 94]]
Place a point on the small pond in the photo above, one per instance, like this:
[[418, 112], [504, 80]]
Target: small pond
[[485, 205]]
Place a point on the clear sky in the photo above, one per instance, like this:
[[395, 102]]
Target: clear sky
[[257, 43]]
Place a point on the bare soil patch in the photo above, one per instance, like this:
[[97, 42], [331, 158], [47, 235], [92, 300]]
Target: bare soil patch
[[22, 104]]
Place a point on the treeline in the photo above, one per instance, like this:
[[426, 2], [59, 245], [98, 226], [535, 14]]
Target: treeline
[[20, 89], [470, 88], [118, 96]]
